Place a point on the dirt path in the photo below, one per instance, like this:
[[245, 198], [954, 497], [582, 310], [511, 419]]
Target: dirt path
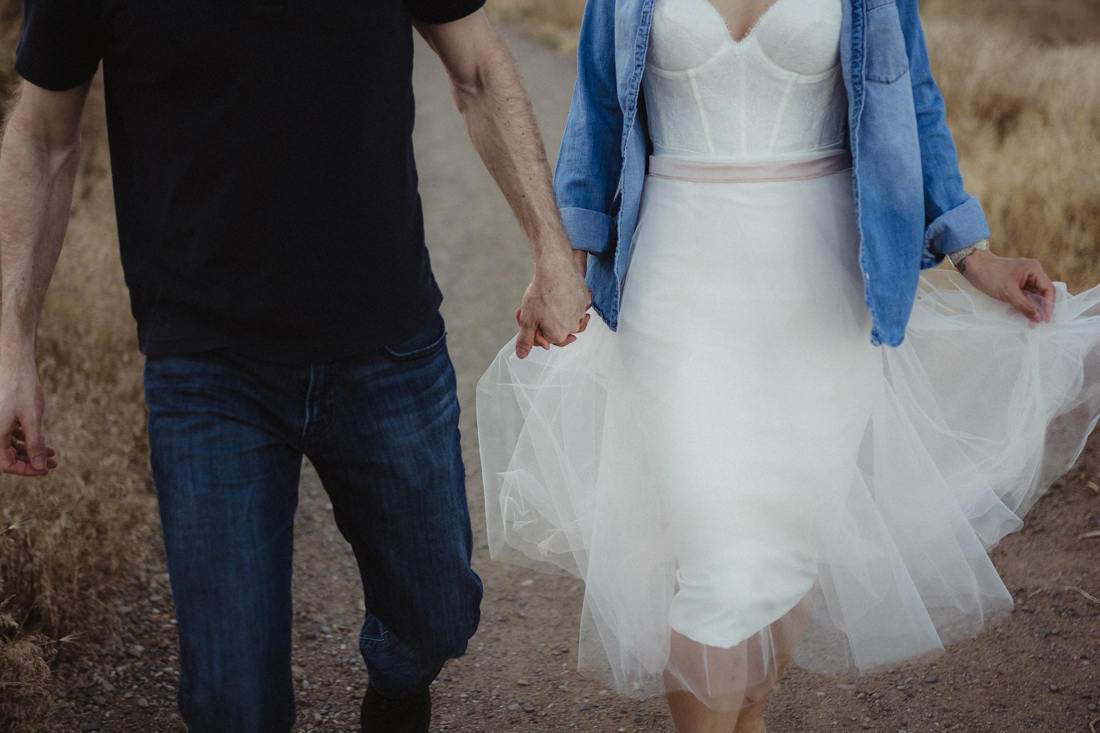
[[1038, 670]]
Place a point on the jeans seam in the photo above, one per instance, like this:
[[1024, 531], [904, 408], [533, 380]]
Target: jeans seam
[[308, 403]]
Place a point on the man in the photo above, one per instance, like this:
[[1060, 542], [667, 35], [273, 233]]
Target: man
[[272, 241]]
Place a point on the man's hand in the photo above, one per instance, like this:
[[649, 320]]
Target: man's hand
[[1010, 279], [555, 305], [23, 449]]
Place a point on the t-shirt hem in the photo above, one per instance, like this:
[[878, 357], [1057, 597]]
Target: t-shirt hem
[[453, 11], [324, 351]]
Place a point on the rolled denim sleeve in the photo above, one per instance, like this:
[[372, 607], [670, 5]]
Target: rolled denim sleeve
[[590, 161], [592, 231], [955, 218]]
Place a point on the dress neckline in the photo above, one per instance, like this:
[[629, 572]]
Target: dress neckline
[[749, 33]]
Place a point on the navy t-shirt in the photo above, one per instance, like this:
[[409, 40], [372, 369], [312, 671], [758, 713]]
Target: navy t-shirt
[[263, 168]]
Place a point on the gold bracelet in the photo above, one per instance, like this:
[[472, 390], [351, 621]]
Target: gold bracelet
[[962, 254]]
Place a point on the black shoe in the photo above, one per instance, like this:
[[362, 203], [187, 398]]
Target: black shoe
[[409, 714]]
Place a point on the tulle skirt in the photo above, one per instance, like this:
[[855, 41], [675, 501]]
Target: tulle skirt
[[739, 477]]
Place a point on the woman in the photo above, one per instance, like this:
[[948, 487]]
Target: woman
[[733, 463]]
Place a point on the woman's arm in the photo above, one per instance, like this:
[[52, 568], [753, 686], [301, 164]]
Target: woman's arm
[[590, 161], [955, 219]]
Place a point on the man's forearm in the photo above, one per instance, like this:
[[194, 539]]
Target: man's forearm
[[505, 134], [487, 91], [38, 165]]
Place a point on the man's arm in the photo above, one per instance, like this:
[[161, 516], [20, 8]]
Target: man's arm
[[38, 165], [488, 93]]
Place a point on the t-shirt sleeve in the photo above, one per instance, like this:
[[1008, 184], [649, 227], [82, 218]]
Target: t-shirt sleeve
[[442, 11], [61, 44]]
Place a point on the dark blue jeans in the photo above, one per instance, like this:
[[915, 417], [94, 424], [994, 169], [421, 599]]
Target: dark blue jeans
[[228, 434]]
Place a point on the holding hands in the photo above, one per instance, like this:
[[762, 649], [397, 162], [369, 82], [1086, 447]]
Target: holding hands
[[556, 302]]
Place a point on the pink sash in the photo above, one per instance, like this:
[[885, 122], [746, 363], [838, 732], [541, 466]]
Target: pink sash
[[705, 171]]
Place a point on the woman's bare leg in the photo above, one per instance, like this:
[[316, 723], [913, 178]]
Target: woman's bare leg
[[721, 669], [718, 672], [785, 635], [690, 715]]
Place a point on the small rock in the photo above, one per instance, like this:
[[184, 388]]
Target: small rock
[[1055, 688], [931, 679], [135, 650], [107, 687], [820, 694], [305, 684], [513, 706], [100, 700], [90, 727], [583, 707], [297, 671], [128, 694], [522, 683], [603, 693], [142, 702], [637, 717], [528, 709], [317, 718]]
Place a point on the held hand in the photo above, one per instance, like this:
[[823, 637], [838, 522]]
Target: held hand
[[1014, 280], [23, 449], [555, 304]]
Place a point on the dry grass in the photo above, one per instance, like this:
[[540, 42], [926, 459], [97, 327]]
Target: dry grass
[[69, 541], [1026, 119]]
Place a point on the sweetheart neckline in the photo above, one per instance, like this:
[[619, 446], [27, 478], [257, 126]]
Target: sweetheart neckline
[[752, 29]]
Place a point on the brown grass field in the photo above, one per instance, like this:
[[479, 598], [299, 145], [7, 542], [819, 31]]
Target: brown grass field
[[1022, 83]]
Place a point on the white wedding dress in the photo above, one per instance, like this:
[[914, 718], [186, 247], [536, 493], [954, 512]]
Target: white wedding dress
[[738, 456]]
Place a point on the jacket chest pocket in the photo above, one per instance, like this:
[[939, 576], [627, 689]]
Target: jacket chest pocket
[[886, 57]]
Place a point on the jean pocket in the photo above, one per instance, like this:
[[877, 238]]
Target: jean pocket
[[424, 343], [887, 58]]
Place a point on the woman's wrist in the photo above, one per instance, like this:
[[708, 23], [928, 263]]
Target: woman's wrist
[[957, 258]]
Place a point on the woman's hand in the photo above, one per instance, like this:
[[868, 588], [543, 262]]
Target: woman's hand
[[1010, 279]]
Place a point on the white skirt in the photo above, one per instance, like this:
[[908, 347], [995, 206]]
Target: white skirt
[[738, 458]]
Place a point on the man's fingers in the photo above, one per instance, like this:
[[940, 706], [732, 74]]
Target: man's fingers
[[35, 442]]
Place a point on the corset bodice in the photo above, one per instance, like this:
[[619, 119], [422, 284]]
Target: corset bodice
[[778, 92]]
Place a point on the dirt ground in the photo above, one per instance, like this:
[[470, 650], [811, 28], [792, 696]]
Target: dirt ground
[[1038, 670]]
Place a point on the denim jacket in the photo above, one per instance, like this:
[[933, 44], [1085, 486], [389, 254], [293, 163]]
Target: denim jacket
[[911, 208]]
